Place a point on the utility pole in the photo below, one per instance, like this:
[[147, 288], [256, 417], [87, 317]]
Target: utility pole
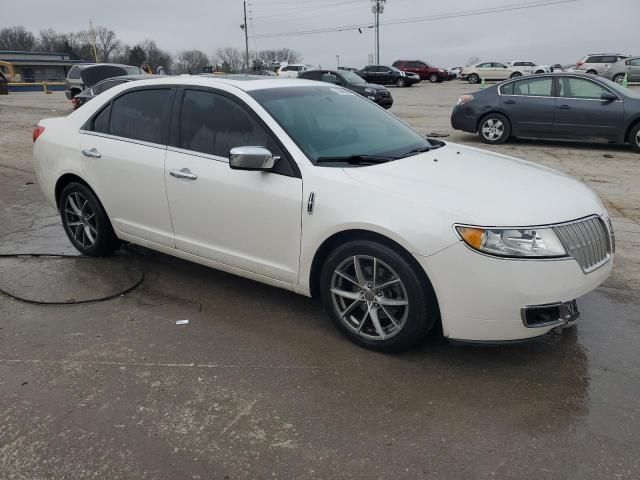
[[377, 8], [246, 36], [338, 60], [93, 37]]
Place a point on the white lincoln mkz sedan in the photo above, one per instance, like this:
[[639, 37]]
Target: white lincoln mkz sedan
[[309, 187]]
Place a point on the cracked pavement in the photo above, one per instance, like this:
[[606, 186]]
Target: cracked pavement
[[259, 384]]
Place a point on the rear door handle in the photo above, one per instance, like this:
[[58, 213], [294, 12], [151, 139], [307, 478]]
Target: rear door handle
[[92, 153], [183, 173], [510, 102], [564, 107]]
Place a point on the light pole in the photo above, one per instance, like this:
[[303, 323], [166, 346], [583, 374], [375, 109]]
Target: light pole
[[377, 7], [338, 60]]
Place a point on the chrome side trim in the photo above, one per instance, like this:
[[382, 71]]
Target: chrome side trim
[[122, 139]]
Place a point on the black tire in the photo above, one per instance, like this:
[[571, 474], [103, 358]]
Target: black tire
[[401, 82], [497, 132], [473, 78], [433, 78], [618, 78], [415, 319], [515, 75], [592, 72], [85, 221], [634, 138], [540, 71]]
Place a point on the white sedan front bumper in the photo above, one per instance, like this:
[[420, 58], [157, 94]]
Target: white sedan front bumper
[[481, 297]]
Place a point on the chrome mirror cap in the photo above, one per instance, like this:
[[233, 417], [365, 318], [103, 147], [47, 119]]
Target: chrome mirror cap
[[251, 158]]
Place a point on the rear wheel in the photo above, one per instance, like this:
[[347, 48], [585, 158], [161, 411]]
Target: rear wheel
[[494, 129], [401, 82], [592, 72], [618, 78], [473, 78], [375, 296], [634, 138], [515, 75], [433, 78], [85, 221]]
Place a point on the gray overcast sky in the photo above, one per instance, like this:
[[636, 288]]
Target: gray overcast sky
[[547, 34]]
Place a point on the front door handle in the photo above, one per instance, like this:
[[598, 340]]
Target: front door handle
[[183, 173], [564, 107], [92, 153], [510, 102]]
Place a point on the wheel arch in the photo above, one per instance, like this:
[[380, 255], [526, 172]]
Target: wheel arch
[[632, 124], [345, 236]]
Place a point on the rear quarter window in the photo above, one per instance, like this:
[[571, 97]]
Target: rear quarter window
[[74, 73]]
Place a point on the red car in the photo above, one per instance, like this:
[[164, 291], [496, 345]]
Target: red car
[[425, 71]]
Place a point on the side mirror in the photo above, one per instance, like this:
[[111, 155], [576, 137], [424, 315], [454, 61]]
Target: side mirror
[[252, 158], [608, 97]]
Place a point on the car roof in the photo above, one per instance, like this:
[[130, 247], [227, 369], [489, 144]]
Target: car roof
[[246, 83], [140, 76]]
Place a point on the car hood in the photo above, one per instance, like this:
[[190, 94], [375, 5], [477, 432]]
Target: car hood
[[468, 185], [373, 86]]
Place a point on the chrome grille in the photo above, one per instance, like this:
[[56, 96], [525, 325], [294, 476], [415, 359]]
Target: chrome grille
[[587, 241]]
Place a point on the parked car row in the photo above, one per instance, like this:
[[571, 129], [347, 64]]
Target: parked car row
[[555, 106]]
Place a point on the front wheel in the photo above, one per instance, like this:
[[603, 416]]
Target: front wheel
[[433, 78], [376, 297], [515, 75], [634, 138], [401, 82], [473, 78], [494, 129], [85, 221]]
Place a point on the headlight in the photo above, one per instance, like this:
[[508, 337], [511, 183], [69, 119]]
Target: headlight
[[369, 90], [513, 242], [441, 70]]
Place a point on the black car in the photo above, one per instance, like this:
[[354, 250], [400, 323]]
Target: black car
[[555, 106], [384, 75], [351, 81], [82, 98], [81, 77]]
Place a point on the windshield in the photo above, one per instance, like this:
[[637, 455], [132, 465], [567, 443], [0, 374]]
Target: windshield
[[333, 123], [352, 77]]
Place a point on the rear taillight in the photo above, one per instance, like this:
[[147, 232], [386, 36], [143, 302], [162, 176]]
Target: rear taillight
[[37, 132], [75, 102], [465, 99]]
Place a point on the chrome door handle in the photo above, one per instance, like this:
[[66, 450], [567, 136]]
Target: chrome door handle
[[510, 102], [183, 173], [92, 153], [565, 107]]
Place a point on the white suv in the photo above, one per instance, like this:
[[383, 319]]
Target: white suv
[[292, 70], [598, 63]]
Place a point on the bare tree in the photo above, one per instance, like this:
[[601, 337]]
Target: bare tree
[[106, 43], [230, 59], [155, 56], [191, 61], [16, 38]]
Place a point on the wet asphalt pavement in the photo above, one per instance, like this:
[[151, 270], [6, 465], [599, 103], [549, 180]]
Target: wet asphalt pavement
[[260, 385]]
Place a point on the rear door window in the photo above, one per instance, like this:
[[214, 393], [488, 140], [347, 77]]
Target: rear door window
[[101, 121], [535, 87], [138, 115]]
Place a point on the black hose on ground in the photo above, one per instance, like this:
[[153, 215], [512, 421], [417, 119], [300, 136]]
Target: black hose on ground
[[135, 285]]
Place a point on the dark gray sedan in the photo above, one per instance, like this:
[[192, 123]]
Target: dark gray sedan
[[86, 95], [555, 106]]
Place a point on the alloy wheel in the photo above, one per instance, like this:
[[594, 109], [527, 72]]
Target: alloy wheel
[[619, 79], [81, 219], [369, 297], [492, 129]]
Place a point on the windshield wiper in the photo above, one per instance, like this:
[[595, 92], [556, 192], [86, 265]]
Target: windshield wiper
[[415, 151], [355, 159]]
